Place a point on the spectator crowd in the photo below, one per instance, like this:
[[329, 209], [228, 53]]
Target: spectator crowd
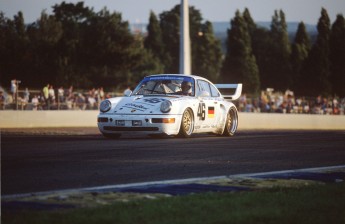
[[270, 102], [62, 98], [51, 99]]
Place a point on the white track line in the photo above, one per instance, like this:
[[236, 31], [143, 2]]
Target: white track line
[[177, 181]]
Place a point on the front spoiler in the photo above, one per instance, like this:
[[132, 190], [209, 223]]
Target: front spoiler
[[107, 124]]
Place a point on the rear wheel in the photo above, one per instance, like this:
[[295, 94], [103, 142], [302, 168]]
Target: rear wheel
[[231, 122], [187, 124]]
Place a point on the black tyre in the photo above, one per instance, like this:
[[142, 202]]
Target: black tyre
[[187, 124], [231, 122]]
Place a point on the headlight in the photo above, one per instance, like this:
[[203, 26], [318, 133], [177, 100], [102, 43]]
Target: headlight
[[105, 106], [166, 106]]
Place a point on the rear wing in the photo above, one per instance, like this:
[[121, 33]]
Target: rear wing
[[230, 91]]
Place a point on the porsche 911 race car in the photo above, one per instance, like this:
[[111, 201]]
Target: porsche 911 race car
[[172, 104]]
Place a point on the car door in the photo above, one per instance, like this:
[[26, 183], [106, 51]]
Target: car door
[[208, 111]]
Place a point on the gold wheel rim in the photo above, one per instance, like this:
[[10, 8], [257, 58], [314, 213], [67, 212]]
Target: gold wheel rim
[[187, 121]]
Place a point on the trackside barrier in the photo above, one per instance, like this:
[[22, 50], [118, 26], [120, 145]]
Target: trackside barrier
[[43, 119], [247, 121], [291, 121]]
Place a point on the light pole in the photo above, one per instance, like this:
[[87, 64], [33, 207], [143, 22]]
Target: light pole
[[185, 53]]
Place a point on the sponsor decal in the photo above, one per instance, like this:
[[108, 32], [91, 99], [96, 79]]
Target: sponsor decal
[[166, 78], [210, 112], [135, 106]]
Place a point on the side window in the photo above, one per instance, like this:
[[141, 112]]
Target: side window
[[204, 86], [214, 91]]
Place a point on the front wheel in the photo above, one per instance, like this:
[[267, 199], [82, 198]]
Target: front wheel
[[231, 122], [187, 124]]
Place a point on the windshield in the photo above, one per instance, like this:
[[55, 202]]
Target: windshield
[[174, 85]]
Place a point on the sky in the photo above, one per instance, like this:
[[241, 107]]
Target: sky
[[138, 11]]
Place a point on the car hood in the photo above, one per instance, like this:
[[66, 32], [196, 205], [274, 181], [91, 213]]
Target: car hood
[[140, 104]]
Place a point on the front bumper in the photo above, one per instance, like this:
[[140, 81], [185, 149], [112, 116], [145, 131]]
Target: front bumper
[[148, 124]]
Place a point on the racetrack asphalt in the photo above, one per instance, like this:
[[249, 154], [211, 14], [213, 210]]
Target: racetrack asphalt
[[54, 168], [36, 160]]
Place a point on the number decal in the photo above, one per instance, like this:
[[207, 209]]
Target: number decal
[[154, 100], [201, 111]]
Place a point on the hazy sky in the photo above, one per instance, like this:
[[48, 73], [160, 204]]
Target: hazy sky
[[136, 11]]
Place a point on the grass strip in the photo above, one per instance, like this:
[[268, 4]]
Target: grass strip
[[313, 204]]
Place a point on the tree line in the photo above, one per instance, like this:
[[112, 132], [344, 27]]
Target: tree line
[[262, 58], [77, 46]]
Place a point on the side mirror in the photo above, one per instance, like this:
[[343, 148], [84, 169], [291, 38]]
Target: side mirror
[[204, 94]]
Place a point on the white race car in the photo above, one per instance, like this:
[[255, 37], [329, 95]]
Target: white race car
[[172, 104]]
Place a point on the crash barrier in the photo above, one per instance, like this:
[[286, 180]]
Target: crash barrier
[[247, 121], [43, 119], [291, 121]]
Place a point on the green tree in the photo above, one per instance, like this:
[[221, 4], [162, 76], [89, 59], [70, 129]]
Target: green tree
[[16, 55], [96, 48], [154, 42], [299, 53], [147, 66], [279, 69], [316, 71], [250, 22], [108, 38], [74, 19], [207, 61], [240, 64], [261, 42], [4, 50], [44, 35], [169, 23], [73, 46], [337, 55]]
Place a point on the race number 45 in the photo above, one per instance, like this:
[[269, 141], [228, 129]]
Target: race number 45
[[201, 111], [154, 100]]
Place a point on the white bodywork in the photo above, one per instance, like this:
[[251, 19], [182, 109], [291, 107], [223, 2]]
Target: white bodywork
[[142, 112]]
